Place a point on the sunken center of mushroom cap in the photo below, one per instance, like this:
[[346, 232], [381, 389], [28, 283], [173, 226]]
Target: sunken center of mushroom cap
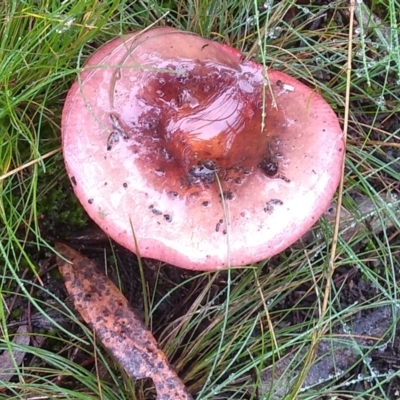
[[196, 119]]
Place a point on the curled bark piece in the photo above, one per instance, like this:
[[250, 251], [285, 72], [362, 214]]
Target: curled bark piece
[[121, 331]]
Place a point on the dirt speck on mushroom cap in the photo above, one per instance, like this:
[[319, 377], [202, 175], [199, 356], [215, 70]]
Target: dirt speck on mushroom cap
[[146, 134]]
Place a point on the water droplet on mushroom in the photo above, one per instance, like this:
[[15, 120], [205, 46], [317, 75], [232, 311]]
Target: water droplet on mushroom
[[159, 172]]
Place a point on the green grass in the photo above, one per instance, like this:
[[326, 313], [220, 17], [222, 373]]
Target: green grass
[[259, 314]]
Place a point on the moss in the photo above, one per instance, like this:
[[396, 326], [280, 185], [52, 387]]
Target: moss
[[57, 206]]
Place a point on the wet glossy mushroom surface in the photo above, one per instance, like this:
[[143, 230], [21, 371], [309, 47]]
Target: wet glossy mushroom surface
[[208, 162]]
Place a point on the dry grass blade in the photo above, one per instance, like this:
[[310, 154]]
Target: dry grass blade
[[120, 330]]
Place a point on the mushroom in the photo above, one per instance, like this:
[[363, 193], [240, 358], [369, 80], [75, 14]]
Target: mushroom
[[183, 152]]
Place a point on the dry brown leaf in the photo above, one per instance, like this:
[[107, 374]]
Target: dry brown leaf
[[121, 331]]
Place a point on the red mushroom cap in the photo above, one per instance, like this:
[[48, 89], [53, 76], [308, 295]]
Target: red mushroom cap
[[167, 148]]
